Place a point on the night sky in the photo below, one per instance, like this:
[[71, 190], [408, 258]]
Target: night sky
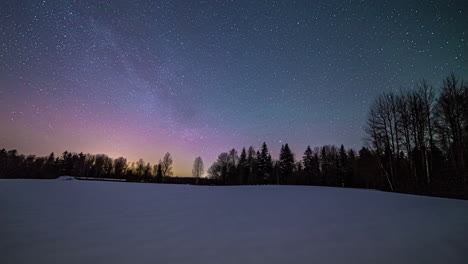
[[195, 78]]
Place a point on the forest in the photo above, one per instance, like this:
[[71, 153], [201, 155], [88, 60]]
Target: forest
[[416, 142]]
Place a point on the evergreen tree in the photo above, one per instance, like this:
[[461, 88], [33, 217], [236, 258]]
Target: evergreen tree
[[264, 165], [324, 166], [316, 173], [342, 165], [285, 164], [308, 162], [251, 162], [242, 167], [350, 165]]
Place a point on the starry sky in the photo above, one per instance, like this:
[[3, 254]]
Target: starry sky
[[195, 78]]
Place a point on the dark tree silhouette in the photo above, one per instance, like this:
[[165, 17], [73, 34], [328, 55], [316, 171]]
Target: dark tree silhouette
[[166, 165], [159, 174], [264, 166], [285, 164], [243, 168], [308, 163]]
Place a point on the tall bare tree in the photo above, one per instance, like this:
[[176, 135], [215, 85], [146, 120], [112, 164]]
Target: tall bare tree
[[378, 130], [451, 123], [166, 165], [198, 168]]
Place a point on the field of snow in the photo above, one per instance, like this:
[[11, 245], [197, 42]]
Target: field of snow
[[56, 221]]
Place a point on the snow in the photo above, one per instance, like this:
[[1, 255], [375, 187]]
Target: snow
[[50, 221], [99, 179], [68, 178], [65, 178]]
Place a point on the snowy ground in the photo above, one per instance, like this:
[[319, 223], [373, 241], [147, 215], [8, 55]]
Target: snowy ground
[[55, 221]]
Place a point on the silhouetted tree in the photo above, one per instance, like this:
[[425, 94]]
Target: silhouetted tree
[[264, 165], [120, 166], [140, 168], [166, 165], [218, 170], [231, 169], [308, 161], [452, 122], [198, 169], [285, 164], [251, 166], [342, 166], [243, 167], [159, 174]]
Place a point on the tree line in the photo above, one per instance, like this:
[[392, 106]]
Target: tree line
[[416, 142], [99, 166], [420, 137]]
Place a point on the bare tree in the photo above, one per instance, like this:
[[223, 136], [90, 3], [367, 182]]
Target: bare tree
[[450, 120], [214, 172], [233, 158], [427, 100], [120, 167], [198, 168], [381, 135], [219, 168], [166, 165]]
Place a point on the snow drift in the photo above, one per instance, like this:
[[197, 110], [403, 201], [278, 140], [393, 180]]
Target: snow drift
[[47, 221]]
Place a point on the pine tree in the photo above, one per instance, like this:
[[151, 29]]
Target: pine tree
[[264, 165], [349, 177], [242, 167], [286, 164], [342, 164], [251, 162], [308, 162], [324, 167], [316, 178]]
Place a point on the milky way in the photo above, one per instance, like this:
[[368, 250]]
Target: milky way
[[140, 78]]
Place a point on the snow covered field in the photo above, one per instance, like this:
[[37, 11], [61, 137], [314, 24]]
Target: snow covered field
[[55, 221]]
